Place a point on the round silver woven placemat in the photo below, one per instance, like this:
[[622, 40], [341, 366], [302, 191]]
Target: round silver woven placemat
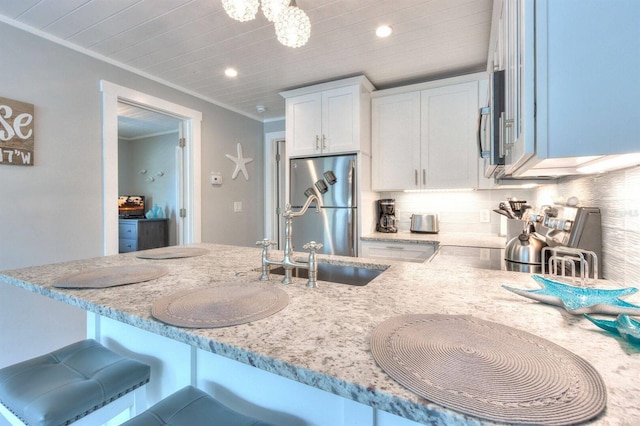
[[488, 370], [111, 276], [220, 306], [171, 253]]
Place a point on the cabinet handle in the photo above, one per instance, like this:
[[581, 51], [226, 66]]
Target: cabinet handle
[[502, 135], [317, 143], [508, 126], [324, 142], [415, 176], [394, 248], [424, 176]]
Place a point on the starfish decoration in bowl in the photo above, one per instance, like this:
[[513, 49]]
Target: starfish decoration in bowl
[[580, 300], [624, 326]]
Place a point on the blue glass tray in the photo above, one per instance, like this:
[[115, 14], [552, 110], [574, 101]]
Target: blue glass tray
[[580, 300], [623, 326]]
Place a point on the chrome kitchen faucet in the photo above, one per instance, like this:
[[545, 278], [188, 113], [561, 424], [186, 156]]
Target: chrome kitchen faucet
[[288, 263]]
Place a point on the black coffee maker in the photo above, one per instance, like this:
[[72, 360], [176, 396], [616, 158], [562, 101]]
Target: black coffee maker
[[386, 216]]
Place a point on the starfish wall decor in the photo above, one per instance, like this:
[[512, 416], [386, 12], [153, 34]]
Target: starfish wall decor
[[240, 162]]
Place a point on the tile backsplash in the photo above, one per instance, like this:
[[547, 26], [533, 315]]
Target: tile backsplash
[[457, 211], [617, 195]]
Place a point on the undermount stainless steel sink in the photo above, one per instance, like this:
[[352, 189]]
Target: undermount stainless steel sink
[[352, 275]]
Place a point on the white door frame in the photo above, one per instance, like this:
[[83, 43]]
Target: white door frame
[[270, 190], [111, 94]]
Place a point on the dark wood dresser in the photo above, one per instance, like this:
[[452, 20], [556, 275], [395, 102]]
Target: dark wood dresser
[[142, 234]]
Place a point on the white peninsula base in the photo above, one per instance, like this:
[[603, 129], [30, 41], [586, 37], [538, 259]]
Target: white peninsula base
[[244, 388]]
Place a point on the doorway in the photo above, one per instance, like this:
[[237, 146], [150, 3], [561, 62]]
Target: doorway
[[275, 186], [188, 160], [148, 162]]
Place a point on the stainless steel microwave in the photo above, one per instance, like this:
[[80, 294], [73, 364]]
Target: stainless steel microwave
[[489, 126]]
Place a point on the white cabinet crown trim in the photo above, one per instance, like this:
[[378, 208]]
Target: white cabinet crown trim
[[352, 81], [431, 84]]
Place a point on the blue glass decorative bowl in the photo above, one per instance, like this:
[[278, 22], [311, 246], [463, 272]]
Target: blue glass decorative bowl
[[624, 326], [580, 300]]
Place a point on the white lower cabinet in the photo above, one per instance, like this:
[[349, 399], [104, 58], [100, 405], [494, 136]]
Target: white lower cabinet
[[424, 137], [406, 252]]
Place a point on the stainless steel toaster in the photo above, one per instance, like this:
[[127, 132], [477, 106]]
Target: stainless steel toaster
[[425, 223]]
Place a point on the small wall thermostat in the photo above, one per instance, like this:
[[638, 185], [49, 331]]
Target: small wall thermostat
[[216, 178]]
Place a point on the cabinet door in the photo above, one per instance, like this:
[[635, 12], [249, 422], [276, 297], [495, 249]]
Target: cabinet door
[[574, 61], [519, 121], [304, 124], [395, 124], [449, 154], [340, 120]]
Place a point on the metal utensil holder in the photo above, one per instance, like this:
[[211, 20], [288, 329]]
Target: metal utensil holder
[[561, 260]]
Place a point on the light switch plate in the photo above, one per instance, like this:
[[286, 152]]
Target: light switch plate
[[237, 206]]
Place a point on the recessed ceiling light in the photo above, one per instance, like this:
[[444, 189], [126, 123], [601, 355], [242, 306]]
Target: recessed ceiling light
[[231, 72], [383, 31]]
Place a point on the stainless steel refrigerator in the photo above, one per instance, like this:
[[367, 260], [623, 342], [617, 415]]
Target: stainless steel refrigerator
[[333, 180]]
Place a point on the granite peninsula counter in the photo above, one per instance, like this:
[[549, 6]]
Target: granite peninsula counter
[[321, 339]]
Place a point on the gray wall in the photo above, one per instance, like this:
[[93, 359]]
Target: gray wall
[[274, 126], [52, 212], [222, 224]]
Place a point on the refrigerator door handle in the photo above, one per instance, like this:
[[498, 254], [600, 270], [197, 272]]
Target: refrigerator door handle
[[352, 184], [353, 252]]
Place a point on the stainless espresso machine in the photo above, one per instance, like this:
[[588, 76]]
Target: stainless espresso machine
[[386, 216]]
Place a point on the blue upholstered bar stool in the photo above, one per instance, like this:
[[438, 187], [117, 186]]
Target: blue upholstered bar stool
[[192, 407], [83, 383]]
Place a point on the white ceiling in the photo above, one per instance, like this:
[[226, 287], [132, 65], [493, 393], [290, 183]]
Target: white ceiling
[[136, 123], [189, 43]]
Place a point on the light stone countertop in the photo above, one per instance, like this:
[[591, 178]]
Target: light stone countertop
[[322, 337], [442, 238]]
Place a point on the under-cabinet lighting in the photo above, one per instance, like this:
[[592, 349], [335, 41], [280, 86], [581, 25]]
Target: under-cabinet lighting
[[515, 185], [440, 190], [610, 163]]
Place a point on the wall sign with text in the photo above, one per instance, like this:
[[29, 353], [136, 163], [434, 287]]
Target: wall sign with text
[[16, 132]]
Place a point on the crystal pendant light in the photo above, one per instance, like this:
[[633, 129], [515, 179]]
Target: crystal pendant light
[[293, 26], [272, 8], [241, 10]]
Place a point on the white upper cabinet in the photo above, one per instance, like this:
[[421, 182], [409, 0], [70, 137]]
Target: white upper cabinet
[[572, 82], [449, 151], [304, 124], [395, 124], [329, 118], [426, 139]]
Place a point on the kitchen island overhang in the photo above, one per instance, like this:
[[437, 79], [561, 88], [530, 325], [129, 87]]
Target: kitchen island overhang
[[322, 338]]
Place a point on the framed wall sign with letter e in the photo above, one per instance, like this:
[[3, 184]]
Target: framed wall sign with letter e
[[16, 132]]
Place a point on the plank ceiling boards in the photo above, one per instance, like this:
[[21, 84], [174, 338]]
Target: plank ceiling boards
[[189, 43]]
